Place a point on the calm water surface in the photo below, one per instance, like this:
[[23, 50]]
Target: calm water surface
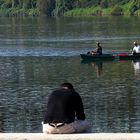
[[37, 54]]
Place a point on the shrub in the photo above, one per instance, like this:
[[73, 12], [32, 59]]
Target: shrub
[[137, 13], [104, 4], [116, 11], [132, 9]]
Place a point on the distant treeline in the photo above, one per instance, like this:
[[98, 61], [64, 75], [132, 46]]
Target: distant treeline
[[69, 7]]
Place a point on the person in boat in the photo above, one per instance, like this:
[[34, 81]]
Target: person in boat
[[136, 49], [97, 51], [65, 112]]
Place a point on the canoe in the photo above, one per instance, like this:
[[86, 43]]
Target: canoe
[[119, 56], [129, 57], [97, 57]]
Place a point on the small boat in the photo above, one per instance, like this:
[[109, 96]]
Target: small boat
[[117, 56], [129, 57], [97, 57]]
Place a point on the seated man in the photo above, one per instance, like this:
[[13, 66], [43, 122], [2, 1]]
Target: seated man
[[136, 49], [65, 113], [97, 51]]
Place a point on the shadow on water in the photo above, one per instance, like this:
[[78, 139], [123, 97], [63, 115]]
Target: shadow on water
[[136, 64], [97, 65]]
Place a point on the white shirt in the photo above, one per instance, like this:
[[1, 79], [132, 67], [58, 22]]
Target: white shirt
[[136, 49]]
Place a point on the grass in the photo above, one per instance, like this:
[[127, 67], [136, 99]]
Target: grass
[[93, 11], [107, 11]]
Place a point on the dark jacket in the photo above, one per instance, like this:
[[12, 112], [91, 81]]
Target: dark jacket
[[99, 50], [63, 106]]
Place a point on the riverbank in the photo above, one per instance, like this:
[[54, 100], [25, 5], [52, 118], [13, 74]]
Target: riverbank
[[118, 10], [103, 9], [69, 8], [19, 12], [92, 136]]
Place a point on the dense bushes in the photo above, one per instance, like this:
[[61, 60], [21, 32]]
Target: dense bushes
[[116, 11], [65, 7]]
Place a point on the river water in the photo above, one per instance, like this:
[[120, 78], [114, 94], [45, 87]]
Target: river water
[[37, 54]]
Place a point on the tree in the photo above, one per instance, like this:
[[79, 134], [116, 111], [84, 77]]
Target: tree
[[104, 4], [46, 6]]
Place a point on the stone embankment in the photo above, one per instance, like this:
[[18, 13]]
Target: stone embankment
[[89, 136]]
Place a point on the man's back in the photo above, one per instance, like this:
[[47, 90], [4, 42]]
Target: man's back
[[62, 106], [65, 112]]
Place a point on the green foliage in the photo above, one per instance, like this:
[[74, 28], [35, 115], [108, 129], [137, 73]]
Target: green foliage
[[104, 4], [133, 8], [84, 12], [107, 11], [19, 12], [70, 7], [33, 12], [7, 4], [137, 2], [111, 7], [59, 8], [137, 13], [124, 2], [116, 11]]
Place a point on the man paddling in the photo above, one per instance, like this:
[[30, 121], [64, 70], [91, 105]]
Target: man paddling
[[97, 51]]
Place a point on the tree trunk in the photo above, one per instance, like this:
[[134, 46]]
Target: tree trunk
[[13, 3]]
